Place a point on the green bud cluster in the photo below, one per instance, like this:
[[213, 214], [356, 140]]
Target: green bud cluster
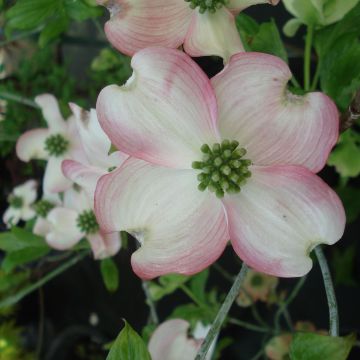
[[16, 201], [86, 222], [223, 169], [207, 5], [56, 145], [43, 207]]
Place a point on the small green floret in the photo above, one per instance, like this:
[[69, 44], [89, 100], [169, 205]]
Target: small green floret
[[43, 207], [207, 5], [223, 169], [16, 201], [56, 145], [87, 223]]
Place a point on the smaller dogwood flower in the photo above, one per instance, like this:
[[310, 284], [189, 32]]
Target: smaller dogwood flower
[[256, 286], [205, 27], [20, 203], [66, 225], [171, 341], [57, 142], [99, 159]]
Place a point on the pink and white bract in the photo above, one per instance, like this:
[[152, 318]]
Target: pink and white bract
[[163, 116], [137, 24]]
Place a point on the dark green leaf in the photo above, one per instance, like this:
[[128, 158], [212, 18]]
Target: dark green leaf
[[340, 70], [261, 38], [79, 10], [23, 256], [27, 14], [53, 29], [128, 346], [110, 274], [346, 156], [311, 346]]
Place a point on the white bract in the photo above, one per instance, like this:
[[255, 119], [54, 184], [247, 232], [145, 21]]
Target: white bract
[[20, 203]]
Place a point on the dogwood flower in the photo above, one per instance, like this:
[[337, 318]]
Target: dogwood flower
[[65, 225], [194, 144], [205, 27], [20, 203], [170, 341], [57, 142], [96, 146]]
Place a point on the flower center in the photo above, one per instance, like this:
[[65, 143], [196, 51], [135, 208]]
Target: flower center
[[87, 223], [257, 280], [43, 207], [207, 5], [56, 145], [16, 201], [223, 169]]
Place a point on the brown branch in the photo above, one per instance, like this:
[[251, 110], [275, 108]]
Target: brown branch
[[348, 118]]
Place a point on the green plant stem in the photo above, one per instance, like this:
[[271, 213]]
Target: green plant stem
[[307, 57], [189, 293], [151, 304], [18, 98], [13, 299], [316, 77], [330, 292], [249, 326], [283, 306], [221, 315], [295, 82]]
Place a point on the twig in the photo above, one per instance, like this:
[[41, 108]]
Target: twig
[[283, 306], [249, 326], [330, 292], [18, 98], [348, 118], [221, 315], [149, 301]]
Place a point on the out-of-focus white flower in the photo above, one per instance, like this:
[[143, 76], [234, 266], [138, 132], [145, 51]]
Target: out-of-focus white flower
[[257, 286], [170, 341], [65, 225], [20, 201], [57, 142]]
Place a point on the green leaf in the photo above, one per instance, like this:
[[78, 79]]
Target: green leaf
[[327, 37], [80, 10], [340, 70], [53, 29], [18, 239], [311, 346], [291, 27], [198, 284], [167, 285], [27, 14], [110, 274], [194, 313], [262, 38], [128, 346], [23, 256], [344, 265], [346, 156]]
